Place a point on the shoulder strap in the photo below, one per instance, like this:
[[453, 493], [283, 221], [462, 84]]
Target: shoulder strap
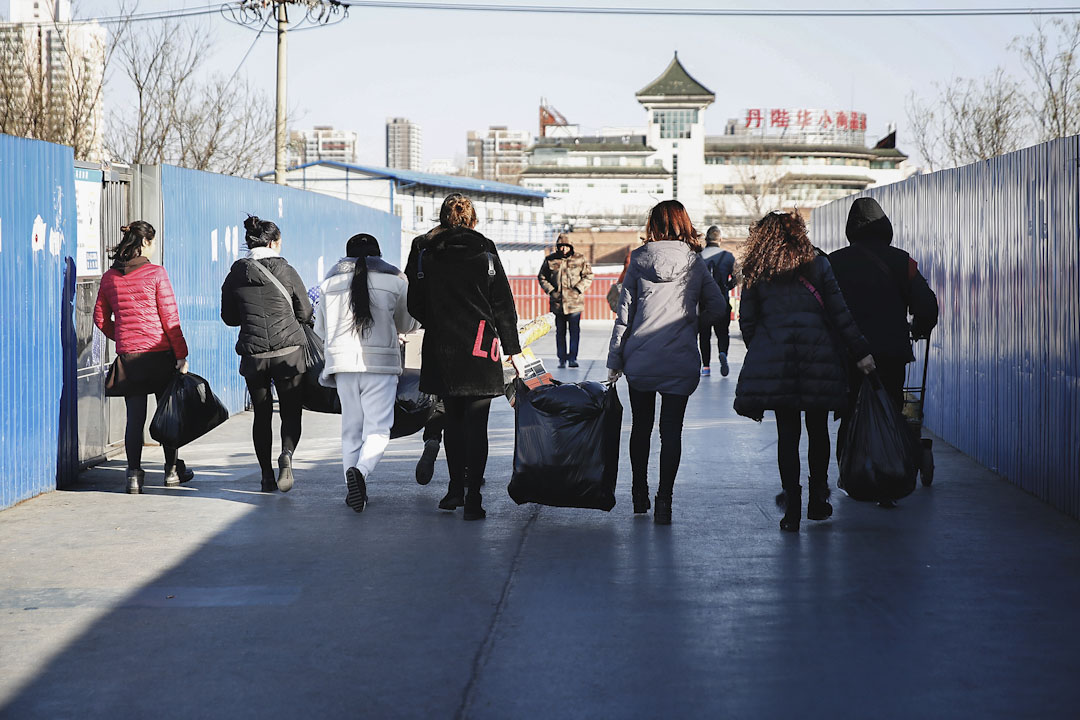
[[813, 290], [271, 277]]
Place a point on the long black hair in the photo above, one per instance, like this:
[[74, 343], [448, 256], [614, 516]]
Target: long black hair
[[361, 247], [131, 244], [260, 233]]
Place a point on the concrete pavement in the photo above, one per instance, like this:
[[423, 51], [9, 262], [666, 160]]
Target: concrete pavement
[[217, 601]]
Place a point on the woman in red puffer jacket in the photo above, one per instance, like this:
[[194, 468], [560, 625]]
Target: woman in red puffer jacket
[[136, 308]]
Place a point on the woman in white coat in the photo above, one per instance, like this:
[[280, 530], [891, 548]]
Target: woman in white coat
[[363, 308]]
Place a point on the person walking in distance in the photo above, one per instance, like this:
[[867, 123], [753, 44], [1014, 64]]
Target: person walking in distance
[[792, 317], [264, 296], [136, 308], [654, 343], [881, 285], [721, 264], [565, 276], [459, 292], [362, 310]]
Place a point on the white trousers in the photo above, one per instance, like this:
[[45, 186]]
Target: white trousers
[[367, 412]]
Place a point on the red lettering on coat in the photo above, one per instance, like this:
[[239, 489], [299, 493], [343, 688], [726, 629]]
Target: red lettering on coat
[[478, 347]]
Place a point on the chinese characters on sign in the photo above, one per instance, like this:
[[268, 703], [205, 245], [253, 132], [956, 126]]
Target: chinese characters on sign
[[784, 121]]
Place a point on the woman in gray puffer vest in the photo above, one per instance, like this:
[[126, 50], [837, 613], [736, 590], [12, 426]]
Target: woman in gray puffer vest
[[796, 327], [655, 343]]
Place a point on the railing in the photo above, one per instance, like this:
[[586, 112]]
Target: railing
[[531, 300]]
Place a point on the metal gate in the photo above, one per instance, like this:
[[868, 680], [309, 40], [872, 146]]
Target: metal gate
[[102, 197]]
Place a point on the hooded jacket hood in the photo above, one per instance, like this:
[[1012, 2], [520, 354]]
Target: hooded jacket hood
[[458, 242], [564, 243], [868, 223], [664, 260], [345, 266]]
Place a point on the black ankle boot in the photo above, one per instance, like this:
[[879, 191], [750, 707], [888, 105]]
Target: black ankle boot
[[269, 482], [474, 509], [178, 473], [791, 502], [639, 493], [818, 506], [454, 498], [285, 477], [662, 514], [135, 480]]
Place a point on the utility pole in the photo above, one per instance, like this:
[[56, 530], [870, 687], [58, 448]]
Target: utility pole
[[280, 129]]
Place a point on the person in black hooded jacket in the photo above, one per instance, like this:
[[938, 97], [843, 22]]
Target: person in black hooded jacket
[[459, 292], [271, 344], [881, 285]]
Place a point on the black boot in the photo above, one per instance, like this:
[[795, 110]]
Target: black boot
[[269, 482], [662, 514], [357, 487], [454, 498], [177, 474], [285, 473], [474, 509], [425, 467], [135, 480], [790, 501], [639, 493], [818, 507]]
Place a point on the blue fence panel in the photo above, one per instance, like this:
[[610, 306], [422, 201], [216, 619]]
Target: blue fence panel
[[202, 235], [999, 241], [37, 234]]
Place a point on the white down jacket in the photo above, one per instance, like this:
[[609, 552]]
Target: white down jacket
[[346, 348]]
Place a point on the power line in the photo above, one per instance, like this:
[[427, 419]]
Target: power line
[[712, 12]]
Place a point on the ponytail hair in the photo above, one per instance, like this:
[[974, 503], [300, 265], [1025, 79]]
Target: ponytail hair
[[361, 247], [131, 244], [260, 233]]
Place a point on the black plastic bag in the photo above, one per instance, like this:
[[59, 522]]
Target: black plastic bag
[[317, 397], [412, 408], [879, 461], [566, 445], [187, 411]]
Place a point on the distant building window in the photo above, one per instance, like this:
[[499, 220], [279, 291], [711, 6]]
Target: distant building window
[[562, 188], [397, 209], [716, 160], [675, 124], [418, 213], [624, 188]]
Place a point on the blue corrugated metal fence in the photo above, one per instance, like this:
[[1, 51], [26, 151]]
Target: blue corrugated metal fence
[[37, 233], [203, 234], [999, 242]]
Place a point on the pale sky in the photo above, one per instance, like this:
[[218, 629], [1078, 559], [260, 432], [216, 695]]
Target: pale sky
[[457, 71]]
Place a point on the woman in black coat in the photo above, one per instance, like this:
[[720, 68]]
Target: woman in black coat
[[264, 296], [459, 293], [795, 326]]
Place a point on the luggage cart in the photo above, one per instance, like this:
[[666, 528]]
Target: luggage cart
[[914, 398]]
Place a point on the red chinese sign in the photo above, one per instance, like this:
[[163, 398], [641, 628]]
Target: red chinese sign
[[805, 120]]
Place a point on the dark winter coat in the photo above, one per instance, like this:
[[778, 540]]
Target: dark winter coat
[[136, 308], [721, 264], [565, 279], [655, 338], [459, 292], [267, 321], [881, 284], [795, 343]]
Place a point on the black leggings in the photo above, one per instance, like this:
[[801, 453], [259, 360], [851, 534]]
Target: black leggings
[[643, 409], [466, 441], [133, 435], [788, 431], [290, 394]]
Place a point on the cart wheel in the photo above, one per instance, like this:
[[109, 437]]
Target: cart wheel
[[927, 468]]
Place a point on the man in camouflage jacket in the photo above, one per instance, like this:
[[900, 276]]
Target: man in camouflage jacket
[[565, 276]]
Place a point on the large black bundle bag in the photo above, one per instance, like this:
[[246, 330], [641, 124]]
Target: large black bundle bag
[[187, 411], [566, 445], [412, 408], [317, 398], [879, 461]]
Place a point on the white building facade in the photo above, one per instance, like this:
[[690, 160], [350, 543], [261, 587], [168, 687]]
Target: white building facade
[[322, 142], [403, 144], [500, 154], [769, 159], [511, 216]]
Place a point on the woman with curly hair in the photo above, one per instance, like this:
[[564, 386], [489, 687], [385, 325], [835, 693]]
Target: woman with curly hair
[[655, 343], [796, 325]]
